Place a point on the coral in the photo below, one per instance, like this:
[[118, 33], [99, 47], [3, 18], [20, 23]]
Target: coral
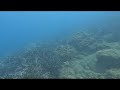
[[65, 51], [67, 73], [80, 68], [83, 55], [107, 59], [81, 41], [30, 63], [78, 73], [99, 46]]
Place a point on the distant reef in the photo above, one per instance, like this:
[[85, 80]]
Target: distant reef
[[82, 55]]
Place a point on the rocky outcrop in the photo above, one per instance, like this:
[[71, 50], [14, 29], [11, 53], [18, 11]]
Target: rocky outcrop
[[107, 59]]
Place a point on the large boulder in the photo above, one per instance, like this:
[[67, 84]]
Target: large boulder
[[107, 59]]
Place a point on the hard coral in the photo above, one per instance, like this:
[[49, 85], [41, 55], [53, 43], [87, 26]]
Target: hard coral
[[66, 51]]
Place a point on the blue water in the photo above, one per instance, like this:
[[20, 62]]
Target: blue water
[[19, 28]]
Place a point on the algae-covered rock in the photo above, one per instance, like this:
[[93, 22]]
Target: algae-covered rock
[[80, 68], [67, 73], [113, 74], [65, 51], [107, 59], [78, 72], [81, 41], [99, 46]]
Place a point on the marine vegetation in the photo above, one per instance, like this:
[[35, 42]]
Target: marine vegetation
[[82, 55]]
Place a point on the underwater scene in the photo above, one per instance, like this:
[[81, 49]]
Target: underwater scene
[[59, 45]]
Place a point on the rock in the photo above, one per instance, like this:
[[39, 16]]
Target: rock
[[107, 59], [113, 74], [81, 41]]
